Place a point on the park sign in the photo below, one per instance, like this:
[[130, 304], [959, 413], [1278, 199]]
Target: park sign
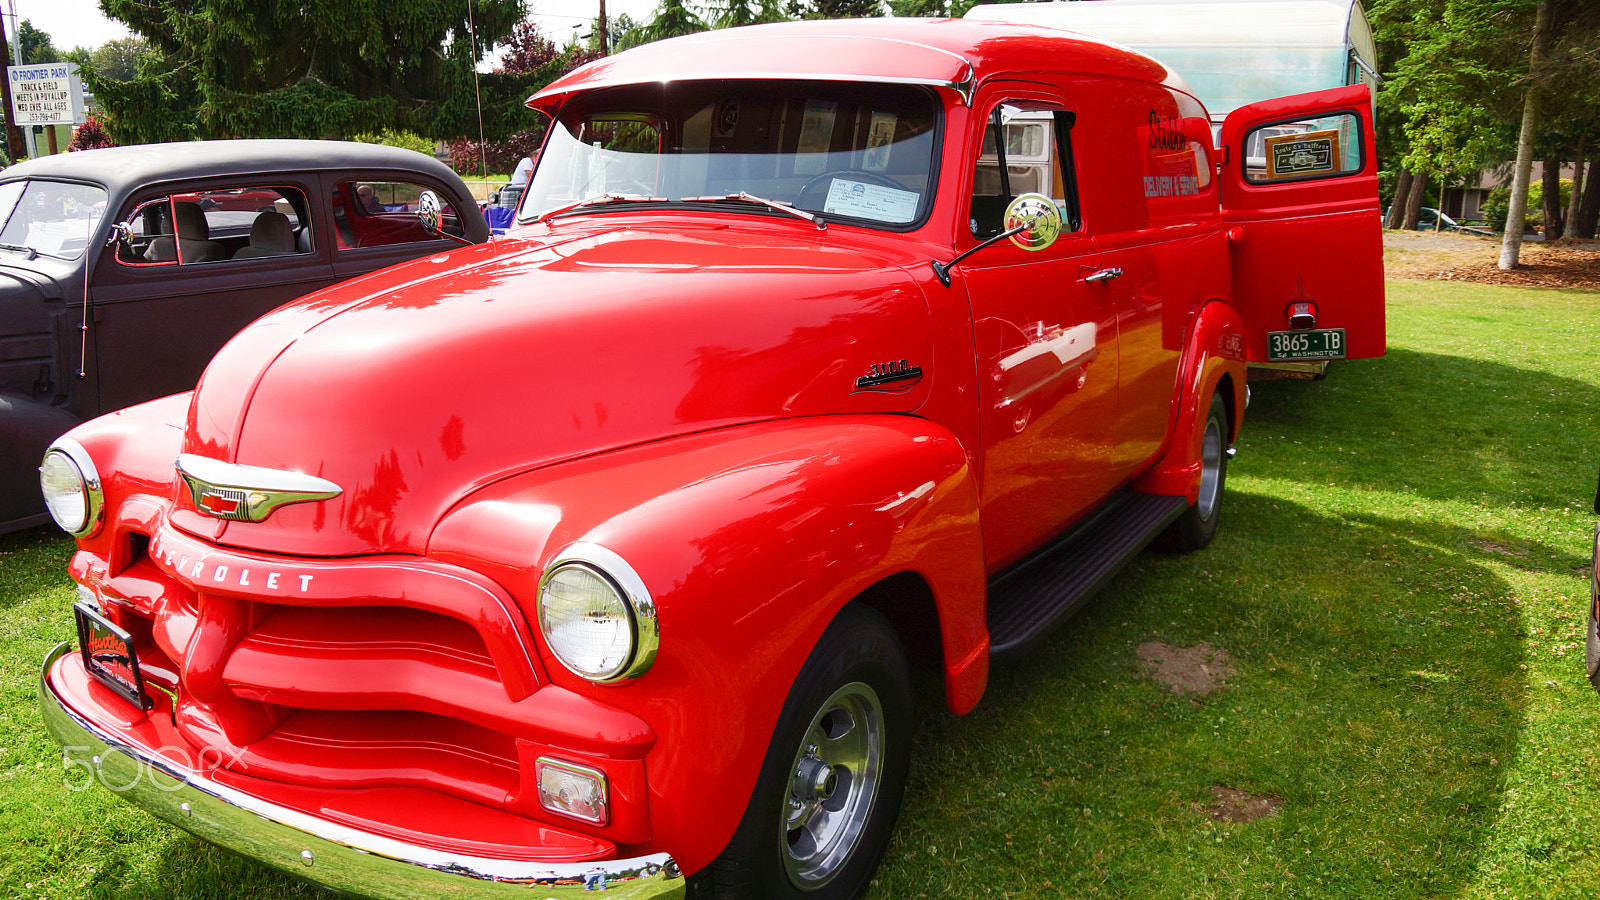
[[46, 94]]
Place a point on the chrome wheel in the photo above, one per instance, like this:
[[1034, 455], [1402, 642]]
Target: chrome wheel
[[833, 781], [1210, 468]]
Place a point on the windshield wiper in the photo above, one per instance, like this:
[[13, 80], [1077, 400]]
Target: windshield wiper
[[32, 253], [596, 201], [751, 198]]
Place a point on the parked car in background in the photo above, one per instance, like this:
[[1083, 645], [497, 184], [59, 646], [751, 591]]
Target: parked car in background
[[103, 303], [1430, 219]]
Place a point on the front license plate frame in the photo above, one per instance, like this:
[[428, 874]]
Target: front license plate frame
[[1306, 344], [109, 656]]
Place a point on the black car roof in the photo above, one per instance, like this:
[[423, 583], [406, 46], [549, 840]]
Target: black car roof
[[121, 169]]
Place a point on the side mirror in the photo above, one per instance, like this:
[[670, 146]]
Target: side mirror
[[1032, 222], [1039, 218], [121, 232], [430, 210]]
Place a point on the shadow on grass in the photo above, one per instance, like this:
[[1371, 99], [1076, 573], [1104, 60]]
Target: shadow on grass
[[1377, 693], [1438, 426]]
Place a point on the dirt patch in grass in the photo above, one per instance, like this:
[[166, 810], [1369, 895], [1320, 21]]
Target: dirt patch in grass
[[1467, 257], [1229, 805], [1191, 671]]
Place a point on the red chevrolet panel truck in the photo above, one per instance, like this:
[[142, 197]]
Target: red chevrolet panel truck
[[598, 555]]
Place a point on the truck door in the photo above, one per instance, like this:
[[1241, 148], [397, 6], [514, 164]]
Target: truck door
[[1300, 202], [1045, 332]]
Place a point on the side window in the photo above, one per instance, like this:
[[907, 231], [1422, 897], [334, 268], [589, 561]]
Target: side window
[[381, 213], [1324, 147], [1025, 150], [208, 226]]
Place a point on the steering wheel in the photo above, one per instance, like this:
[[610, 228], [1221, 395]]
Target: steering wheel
[[825, 181]]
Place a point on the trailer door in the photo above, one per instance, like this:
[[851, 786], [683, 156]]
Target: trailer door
[[1300, 199]]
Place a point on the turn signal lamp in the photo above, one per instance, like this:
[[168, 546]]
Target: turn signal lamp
[[568, 789]]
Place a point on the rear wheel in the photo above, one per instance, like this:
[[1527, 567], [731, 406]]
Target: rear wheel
[[831, 783], [1198, 524]]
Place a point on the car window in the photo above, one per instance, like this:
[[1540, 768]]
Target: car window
[[1036, 158], [53, 218], [218, 225], [381, 213]]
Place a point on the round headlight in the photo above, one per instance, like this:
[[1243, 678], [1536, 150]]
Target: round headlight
[[596, 616], [71, 487]]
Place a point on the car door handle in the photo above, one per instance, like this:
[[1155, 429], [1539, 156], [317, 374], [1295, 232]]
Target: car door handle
[[1103, 275]]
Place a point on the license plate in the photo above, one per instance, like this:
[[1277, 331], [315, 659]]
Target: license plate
[[108, 655], [1316, 343]]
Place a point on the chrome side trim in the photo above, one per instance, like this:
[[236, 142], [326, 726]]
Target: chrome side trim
[[608, 565], [308, 847], [247, 493]]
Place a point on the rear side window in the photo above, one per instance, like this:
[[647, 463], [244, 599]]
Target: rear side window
[[1324, 147], [209, 226], [382, 213]]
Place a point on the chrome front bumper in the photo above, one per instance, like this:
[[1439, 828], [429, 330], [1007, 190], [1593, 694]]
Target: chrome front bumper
[[308, 847]]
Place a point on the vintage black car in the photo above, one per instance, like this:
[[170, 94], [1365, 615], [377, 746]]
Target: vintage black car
[[104, 303]]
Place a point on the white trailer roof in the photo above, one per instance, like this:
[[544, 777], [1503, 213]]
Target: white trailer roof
[[1232, 52]]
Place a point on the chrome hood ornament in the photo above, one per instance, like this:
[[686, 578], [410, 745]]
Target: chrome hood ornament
[[247, 493]]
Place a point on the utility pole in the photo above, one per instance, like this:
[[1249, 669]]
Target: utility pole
[[15, 148], [605, 33]]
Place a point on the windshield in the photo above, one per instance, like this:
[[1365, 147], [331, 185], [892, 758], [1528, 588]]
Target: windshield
[[50, 217], [856, 152]]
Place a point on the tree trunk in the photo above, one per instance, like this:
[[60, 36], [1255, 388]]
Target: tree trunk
[[1551, 212], [1397, 206], [1589, 212], [1511, 246], [1571, 230], [1419, 189]]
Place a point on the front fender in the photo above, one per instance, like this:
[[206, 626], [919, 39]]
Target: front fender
[[1213, 358], [749, 540], [27, 427]]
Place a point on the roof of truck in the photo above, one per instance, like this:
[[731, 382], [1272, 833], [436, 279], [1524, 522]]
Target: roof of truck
[[949, 53]]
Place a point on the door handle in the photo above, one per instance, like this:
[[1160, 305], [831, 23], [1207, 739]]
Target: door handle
[[1103, 275]]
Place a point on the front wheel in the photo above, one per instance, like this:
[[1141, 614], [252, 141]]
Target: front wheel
[[830, 786], [1198, 524]]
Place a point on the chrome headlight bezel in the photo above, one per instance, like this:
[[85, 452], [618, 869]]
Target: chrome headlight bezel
[[90, 490], [635, 599]]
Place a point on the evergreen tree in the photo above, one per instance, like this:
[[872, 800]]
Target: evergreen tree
[[271, 68]]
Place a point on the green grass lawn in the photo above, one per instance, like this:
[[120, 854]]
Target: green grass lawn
[[1399, 582]]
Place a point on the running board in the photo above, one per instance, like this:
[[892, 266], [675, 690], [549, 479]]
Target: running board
[[1031, 599]]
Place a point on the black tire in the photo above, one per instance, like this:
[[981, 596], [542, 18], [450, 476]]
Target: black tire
[[1198, 524], [1591, 653], [831, 784]]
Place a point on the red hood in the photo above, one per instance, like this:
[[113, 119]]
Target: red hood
[[416, 386]]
